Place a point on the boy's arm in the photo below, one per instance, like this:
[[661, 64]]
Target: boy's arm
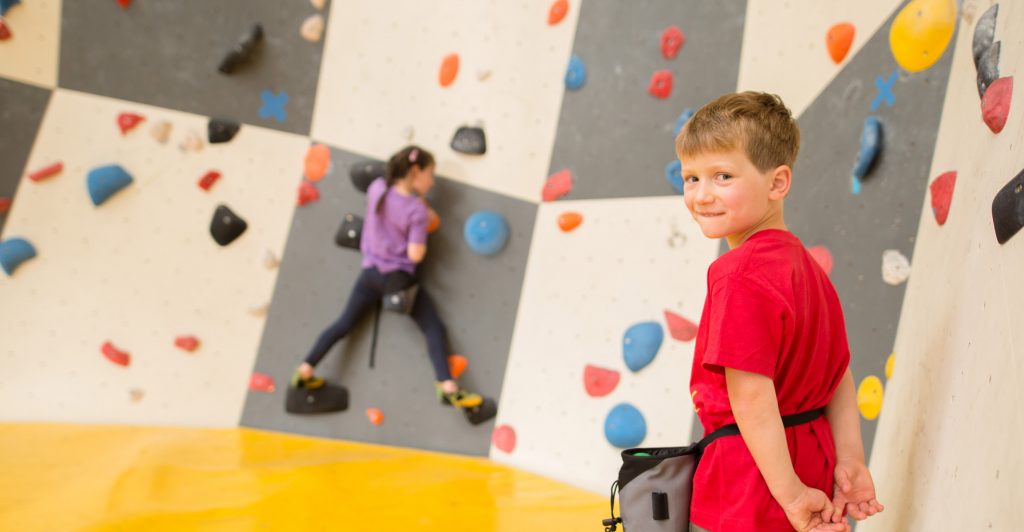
[[842, 415]]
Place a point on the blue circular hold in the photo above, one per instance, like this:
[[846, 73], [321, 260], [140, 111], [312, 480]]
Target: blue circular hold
[[625, 426], [641, 343], [674, 175], [684, 117], [576, 74], [486, 233]]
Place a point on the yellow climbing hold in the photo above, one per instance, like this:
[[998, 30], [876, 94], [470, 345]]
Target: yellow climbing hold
[[869, 397], [921, 32], [888, 365]]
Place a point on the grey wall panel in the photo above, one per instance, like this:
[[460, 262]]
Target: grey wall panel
[[21, 111]]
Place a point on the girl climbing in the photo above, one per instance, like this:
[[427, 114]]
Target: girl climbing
[[393, 243]]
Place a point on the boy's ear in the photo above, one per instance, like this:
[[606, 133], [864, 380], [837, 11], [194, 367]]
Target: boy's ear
[[781, 180]]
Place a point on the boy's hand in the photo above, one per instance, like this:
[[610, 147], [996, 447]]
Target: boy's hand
[[810, 509], [855, 491]]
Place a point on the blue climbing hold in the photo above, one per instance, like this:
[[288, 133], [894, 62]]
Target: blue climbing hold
[[105, 181], [870, 145], [13, 252], [625, 426], [576, 75], [674, 175], [641, 343], [684, 117], [885, 93], [273, 105], [486, 233], [7, 4]]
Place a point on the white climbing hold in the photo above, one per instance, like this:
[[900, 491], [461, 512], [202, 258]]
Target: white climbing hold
[[895, 267], [270, 260], [161, 131], [319, 4], [313, 28], [483, 75], [408, 133], [192, 142], [259, 310]]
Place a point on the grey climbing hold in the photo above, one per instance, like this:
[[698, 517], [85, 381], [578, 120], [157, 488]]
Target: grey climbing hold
[[219, 130], [363, 173], [470, 140], [243, 51], [988, 68], [1008, 209], [984, 33]]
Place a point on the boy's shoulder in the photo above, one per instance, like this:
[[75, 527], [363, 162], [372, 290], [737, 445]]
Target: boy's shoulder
[[764, 256]]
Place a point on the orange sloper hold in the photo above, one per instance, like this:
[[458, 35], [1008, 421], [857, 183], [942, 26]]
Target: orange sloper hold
[[318, 159], [839, 39], [457, 365], [558, 10], [679, 327], [375, 415], [567, 221], [449, 69]]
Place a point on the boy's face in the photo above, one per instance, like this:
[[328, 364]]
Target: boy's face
[[730, 198]]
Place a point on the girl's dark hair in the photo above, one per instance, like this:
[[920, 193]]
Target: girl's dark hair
[[401, 162]]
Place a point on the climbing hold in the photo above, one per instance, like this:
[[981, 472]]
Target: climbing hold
[[191, 142], [567, 221], [433, 220], [988, 68], [226, 226], [105, 181], [457, 365], [375, 415], [46, 171], [5, 30], [576, 74], [885, 93], [7, 4], [672, 39], [125, 4], [661, 84], [188, 343], [160, 131], [625, 426], [486, 233], [869, 397], [895, 267], [482, 75], [5, 204], [870, 144], [136, 394], [984, 33], [318, 159], [115, 355], [273, 106], [995, 105], [599, 382], [889, 362], [270, 261], [942, 195], [363, 173], [921, 31], [261, 382], [838, 40], [449, 70], [470, 140], [208, 179], [558, 185], [127, 121], [823, 257], [307, 193], [557, 12], [684, 117], [679, 327], [1008, 209], [674, 175], [14, 252], [641, 343], [259, 310], [313, 28], [320, 400], [219, 130], [504, 438], [318, 4], [243, 51]]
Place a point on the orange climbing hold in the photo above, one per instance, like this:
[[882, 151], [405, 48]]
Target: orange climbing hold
[[839, 39], [457, 365], [567, 221], [307, 193], [46, 171], [433, 220], [558, 10], [679, 327], [188, 343], [5, 204], [128, 121], [375, 415], [115, 355], [124, 3], [318, 159], [261, 382], [449, 69]]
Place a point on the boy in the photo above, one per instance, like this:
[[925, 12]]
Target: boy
[[772, 340]]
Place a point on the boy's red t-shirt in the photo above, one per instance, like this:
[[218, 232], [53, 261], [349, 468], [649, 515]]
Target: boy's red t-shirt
[[771, 310]]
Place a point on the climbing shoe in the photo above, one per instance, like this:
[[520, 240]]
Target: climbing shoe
[[311, 383], [459, 399]]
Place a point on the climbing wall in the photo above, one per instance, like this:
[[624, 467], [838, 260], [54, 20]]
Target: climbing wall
[[21, 110], [32, 49]]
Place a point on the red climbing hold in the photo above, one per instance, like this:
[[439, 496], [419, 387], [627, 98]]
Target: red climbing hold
[[188, 343], [995, 105], [504, 438], [433, 220], [557, 12], [115, 355], [5, 31], [308, 193], [375, 415], [672, 39], [124, 3], [457, 365], [208, 179], [838, 40], [128, 121], [679, 327], [449, 69], [557, 186], [46, 171], [661, 84], [599, 382], [942, 195], [5, 204], [823, 257], [261, 382], [318, 159], [567, 221]]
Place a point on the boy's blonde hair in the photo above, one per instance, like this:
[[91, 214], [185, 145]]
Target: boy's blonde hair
[[756, 122]]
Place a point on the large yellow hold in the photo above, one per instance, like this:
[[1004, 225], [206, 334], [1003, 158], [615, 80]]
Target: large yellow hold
[[921, 32], [869, 397]]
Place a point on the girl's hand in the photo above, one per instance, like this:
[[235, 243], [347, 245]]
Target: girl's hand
[[855, 491], [809, 509]]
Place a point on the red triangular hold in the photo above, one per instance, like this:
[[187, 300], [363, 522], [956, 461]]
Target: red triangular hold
[[5, 204], [599, 382], [308, 193], [128, 121], [679, 327], [5, 30], [942, 195]]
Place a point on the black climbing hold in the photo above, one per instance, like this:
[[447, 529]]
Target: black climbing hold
[[988, 68], [326, 398], [984, 33], [226, 226], [363, 173], [401, 301], [243, 51], [470, 140], [350, 233], [220, 130], [482, 412], [1008, 209]]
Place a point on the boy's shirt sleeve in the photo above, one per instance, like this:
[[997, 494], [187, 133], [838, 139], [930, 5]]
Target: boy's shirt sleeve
[[745, 328], [418, 221]]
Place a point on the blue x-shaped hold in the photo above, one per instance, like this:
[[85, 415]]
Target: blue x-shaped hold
[[273, 105], [885, 90]]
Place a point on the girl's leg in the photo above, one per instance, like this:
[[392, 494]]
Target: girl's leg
[[364, 294], [425, 314]]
